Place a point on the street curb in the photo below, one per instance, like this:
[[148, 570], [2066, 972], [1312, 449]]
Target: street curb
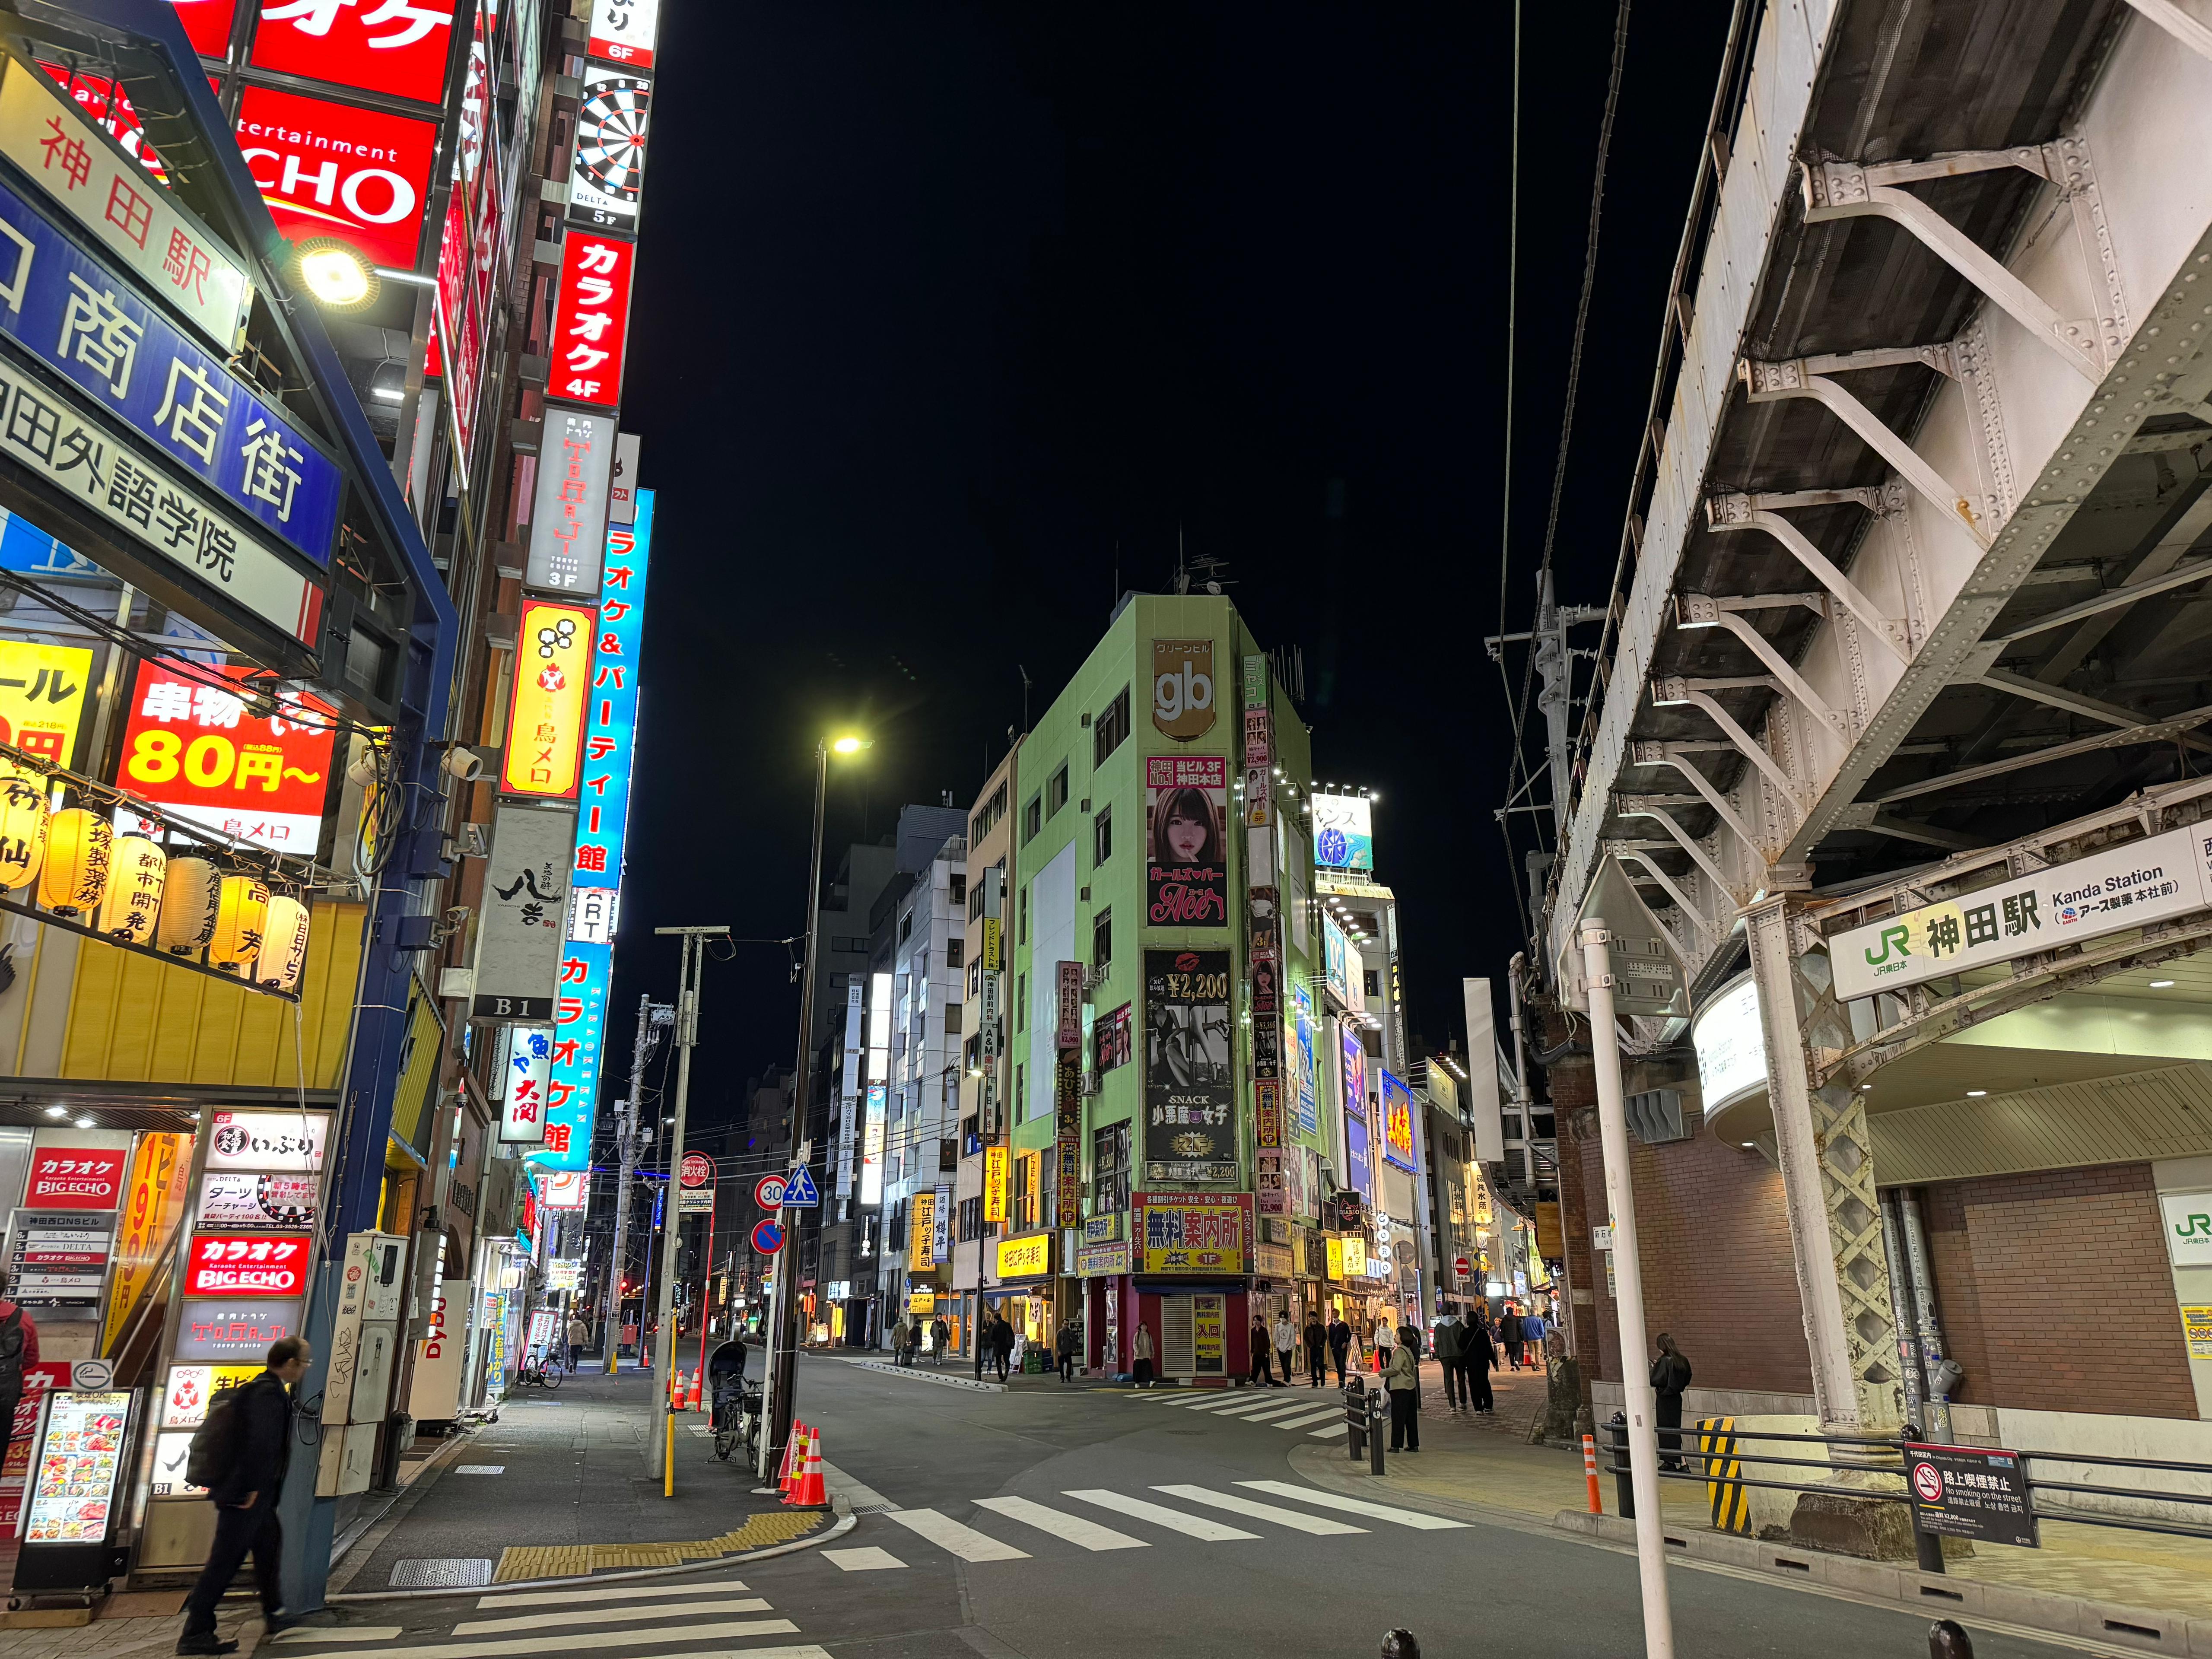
[[2139, 1629], [845, 1522], [402, 1504], [912, 1375]]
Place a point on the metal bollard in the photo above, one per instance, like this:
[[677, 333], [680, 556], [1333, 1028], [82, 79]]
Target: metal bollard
[[1400, 1645], [1624, 1484], [1377, 1408], [1946, 1639], [1355, 1419]]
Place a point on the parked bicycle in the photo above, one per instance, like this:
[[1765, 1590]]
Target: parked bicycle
[[734, 1402], [538, 1369]]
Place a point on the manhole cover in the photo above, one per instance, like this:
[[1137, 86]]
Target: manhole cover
[[441, 1572]]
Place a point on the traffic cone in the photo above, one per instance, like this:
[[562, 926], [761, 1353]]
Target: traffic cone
[[791, 1445], [808, 1493], [692, 1402]]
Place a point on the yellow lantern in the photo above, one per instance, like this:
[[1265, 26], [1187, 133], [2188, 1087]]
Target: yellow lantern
[[283, 945], [188, 904], [241, 919], [79, 843], [22, 825], [135, 873]]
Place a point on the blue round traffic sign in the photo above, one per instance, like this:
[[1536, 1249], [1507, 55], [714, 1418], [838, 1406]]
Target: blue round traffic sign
[[768, 1235]]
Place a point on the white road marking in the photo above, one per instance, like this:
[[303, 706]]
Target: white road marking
[[810, 1651], [1194, 1526], [868, 1559], [1330, 1433], [857, 1495], [606, 1593], [479, 1468], [592, 1639], [604, 1616], [354, 1633], [1307, 1420], [1269, 1413], [1073, 1528], [1329, 1500], [947, 1534], [1316, 1524], [1234, 1406]]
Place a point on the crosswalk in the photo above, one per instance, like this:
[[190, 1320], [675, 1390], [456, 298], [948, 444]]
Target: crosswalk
[[609, 1619], [1318, 1412], [1021, 1518]]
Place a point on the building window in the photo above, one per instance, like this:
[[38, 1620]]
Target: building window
[[1021, 1002], [951, 1019], [1025, 937], [1032, 818], [1372, 977], [955, 951], [958, 889], [1111, 725], [1056, 792], [1109, 1167], [976, 979], [948, 1157], [972, 1219], [1022, 1211], [906, 927], [1102, 943], [1102, 835], [988, 814], [1020, 1093]]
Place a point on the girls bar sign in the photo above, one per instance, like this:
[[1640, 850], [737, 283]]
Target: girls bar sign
[[1187, 802]]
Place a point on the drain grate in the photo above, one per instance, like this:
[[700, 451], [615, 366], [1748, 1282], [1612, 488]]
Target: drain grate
[[441, 1572]]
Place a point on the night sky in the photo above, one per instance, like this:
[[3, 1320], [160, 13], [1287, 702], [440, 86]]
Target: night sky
[[944, 310]]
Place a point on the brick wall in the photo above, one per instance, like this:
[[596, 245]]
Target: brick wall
[[2055, 1294], [1718, 1274]]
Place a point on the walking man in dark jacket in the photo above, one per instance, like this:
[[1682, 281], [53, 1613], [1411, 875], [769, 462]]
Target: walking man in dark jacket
[[1340, 1344], [1316, 1338], [245, 1498], [1450, 1342], [1476, 1360]]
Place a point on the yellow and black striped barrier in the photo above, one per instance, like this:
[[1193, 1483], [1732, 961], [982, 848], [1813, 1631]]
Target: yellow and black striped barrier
[[1716, 1444]]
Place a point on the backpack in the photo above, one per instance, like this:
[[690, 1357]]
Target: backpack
[[214, 1443], [11, 1355]]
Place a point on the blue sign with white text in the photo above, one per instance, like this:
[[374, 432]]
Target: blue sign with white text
[[79, 320]]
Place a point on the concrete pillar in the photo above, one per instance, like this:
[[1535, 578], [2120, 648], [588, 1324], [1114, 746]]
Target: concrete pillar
[[1828, 1177]]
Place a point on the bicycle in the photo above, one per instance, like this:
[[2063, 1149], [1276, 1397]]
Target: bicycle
[[736, 1420], [537, 1371]]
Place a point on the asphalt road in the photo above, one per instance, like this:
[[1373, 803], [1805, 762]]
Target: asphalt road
[[1033, 1524]]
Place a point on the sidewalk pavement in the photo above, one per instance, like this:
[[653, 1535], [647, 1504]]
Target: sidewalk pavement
[[1485, 1467]]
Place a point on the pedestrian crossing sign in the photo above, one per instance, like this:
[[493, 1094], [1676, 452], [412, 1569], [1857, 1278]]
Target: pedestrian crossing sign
[[799, 1192]]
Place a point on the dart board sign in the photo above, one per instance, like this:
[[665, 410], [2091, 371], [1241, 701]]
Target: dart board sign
[[609, 163]]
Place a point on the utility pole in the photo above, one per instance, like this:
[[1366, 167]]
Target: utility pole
[[687, 1034], [652, 1018]]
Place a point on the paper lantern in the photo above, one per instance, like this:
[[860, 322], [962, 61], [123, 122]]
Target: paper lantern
[[188, 903], [283, 945], [79, 843], [133, 904], [241, 921], [22, 825]]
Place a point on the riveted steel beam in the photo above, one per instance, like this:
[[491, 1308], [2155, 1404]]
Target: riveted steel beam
[[1739, 513]]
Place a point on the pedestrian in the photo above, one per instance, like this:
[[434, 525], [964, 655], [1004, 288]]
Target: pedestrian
[[1002, 1345], [939, 1334], [1401, 1376], [979, 1338], [248, 1443], [1477, 1359], [1386, 1338], [1316, 1336], [1533, 1328], [19, 1347], [1670, 1375], [1262, 1377], [1509, 1333], [1286, 1343], [1140, 1360], [1340, 1344], [1065, 1349], [1450, 1342], [898, 1340], [579, 1334]]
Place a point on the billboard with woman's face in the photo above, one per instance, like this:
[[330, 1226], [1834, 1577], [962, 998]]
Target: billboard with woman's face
[[1187, 806]]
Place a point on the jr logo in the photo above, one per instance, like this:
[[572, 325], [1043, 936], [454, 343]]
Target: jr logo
[[1891, 938], [2191, 1228]]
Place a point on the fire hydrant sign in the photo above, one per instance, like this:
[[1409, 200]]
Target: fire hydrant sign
[[697, 1196], [1971, 1492], [246, 1264]]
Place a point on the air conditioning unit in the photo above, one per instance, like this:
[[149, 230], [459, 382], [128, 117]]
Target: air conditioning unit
[[1093, 1083], [1654, 1116]]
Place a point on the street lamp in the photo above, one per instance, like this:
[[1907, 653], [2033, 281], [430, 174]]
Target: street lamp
[[783, 1347]]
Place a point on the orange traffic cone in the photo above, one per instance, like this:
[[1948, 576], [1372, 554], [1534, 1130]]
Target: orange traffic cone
[[808, 1492], [791, 1456], [675, 1389], [691, 1402]]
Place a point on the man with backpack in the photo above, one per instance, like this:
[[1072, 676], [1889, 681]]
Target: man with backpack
[[239, 1455], [19, 1348]]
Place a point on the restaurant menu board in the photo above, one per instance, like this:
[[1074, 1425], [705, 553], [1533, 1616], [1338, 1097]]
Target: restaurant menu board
[[57, 1259], [79, 1462], [37, 1380]]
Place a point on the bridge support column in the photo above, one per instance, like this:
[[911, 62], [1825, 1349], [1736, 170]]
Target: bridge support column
[[1835, 1221]]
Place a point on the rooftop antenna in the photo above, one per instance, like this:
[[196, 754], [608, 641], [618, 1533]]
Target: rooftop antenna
[[1181, 576], [1024, 673]]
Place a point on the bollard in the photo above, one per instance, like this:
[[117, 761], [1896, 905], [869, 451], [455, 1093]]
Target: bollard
[[1376, 1408], [1400, 1645], [668, 1462], [1624, 1487], [1355, 1419], [1947, 1639], [1590, 1474]]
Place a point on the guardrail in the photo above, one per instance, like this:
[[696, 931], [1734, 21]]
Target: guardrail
[[1711, 1450]]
